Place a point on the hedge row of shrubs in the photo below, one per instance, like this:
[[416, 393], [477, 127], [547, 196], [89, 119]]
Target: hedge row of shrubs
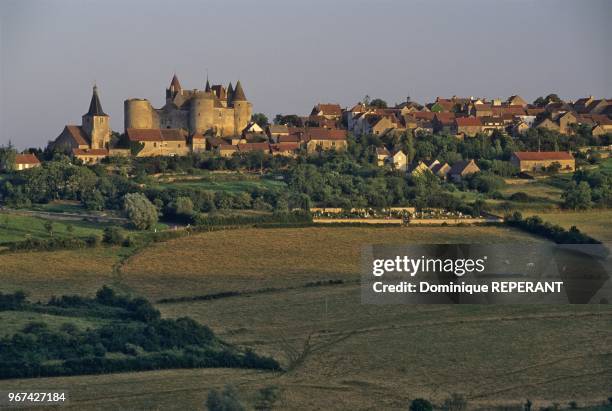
[[137, 338], [556, 233]]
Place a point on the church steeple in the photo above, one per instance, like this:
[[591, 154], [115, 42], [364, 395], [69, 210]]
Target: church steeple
[[95, 107]]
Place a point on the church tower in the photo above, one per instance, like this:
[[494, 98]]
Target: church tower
[[96, 123]]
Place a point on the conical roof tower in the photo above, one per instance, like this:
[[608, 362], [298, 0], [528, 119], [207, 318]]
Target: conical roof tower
[[95, 107], [238, 93]]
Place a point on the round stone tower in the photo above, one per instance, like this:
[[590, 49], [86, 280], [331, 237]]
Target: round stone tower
[[138, 113], [201, 112], [242, 109]]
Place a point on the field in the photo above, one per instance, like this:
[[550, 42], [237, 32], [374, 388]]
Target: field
[[596, 223], [340, 352], [15, 227], [231, 182]]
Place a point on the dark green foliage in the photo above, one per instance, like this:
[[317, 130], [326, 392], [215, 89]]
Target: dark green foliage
[[558, 234], [420, 404], [486, 182], [520, 197], [113, 235], [14, 301], [136, 335], [226, 400]]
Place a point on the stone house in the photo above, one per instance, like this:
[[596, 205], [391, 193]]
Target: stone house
[[158, 142], [26, 161], [462, 169], [325, 139], [534, 161], [469, 126]]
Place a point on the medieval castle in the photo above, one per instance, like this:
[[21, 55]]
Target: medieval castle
[[215, 110], [179, 127]]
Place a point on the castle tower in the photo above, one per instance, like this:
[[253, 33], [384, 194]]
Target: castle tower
[[201, 112], [138, 113], [242, 108], [174, 89], [95, 123]]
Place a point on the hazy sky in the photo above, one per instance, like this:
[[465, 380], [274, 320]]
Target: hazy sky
[[291, 54]]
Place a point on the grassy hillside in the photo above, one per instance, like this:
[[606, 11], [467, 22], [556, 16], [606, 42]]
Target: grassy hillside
[[595, 223], [259, 258], [339, 351]]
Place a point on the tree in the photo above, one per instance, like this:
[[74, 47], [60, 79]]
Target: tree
[[577, 196], [378, 103], [260, 118], [420, 405], [141, 212], [7, 157], [227, 400], [183, 206], [49, 227]]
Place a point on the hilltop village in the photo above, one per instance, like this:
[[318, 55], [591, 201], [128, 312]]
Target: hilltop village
[[220, 120], [461, 154]]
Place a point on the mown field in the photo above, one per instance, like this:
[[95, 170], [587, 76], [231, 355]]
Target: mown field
[[232, 182], [15, 227], [596, 223], [342, 354]]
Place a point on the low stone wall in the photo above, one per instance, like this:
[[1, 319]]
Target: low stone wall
[[397, 221]]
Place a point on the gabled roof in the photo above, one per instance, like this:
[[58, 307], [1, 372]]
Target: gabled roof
[[95, 107], [278, 129], [460, 166], [78, 135], [291, 138], [543, 155], [328, 109], [319, 133], [483, 107], [26, 159], [284, 147], [382, 151]]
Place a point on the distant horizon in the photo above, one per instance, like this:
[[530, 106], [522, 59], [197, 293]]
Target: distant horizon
[[291, 58]]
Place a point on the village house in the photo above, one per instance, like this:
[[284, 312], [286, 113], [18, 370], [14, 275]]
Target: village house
[[419, 169], [462, 169], [226, 150], [158, 142], [517, 101], [534, 161], [329, 111], [26, 161], [274, 131], [441, 170], [382, 154], [482, 110], [90, 155], [325, 139], [469, 126], [285, 149]]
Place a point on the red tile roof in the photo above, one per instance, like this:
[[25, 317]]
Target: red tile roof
[[543, 155], [26, 159], [328, 109], [318, 133], [468, 121], [77, 133], [283, 147]]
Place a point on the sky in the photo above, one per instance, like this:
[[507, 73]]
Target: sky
[[290, 55]]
